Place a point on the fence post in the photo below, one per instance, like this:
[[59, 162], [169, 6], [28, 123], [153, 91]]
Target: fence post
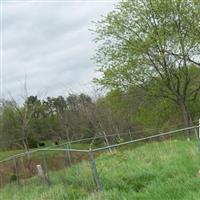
[[69, 153], [66, 162], [94, 171], [15, 164], [45, 168], [199, 129], [197, 133], [44, 162], [131, 138]]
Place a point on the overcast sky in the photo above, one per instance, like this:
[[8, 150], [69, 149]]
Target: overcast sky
[[51, 44]]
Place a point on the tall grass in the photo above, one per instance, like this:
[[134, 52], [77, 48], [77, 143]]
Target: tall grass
[[157, 171]]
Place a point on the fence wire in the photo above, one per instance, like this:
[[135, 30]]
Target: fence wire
[[93, 169]]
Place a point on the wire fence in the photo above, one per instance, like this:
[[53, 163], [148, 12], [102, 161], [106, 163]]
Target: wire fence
[[85, 169]]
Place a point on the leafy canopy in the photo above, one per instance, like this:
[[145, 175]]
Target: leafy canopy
[[143, 40]]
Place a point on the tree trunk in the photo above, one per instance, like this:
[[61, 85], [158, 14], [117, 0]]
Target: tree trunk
[[26, 148], [186, 117], [28, 156]]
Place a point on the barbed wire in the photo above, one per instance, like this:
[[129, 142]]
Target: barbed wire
[[101, 148]]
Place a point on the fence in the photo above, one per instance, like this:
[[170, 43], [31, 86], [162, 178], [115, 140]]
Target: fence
[[84, 169]]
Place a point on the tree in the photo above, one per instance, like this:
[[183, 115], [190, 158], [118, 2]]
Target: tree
[[25, 114], [152, 41], [79, 109], [10, 134]]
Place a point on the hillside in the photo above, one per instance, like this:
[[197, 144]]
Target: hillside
[[165, 170]]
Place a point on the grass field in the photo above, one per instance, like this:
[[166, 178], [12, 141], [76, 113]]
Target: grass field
[[157, 171]]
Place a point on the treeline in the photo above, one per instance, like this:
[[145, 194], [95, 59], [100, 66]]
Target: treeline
[[80, 116], [56, 119]]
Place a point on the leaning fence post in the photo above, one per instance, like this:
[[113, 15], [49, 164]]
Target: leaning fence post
[[94, 170]]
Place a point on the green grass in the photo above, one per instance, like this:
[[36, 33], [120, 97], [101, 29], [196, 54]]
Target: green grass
[[157, 171]]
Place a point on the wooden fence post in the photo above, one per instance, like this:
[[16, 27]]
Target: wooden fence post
[[94, 171], [45, 168], [66, 161], [69, 153], [15, 167], [131, 138], [197, 133], [199, 129]]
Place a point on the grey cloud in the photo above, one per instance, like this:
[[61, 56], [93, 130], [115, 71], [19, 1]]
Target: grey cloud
[[51, 44]]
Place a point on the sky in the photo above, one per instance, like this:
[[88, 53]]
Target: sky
[[50, 44]]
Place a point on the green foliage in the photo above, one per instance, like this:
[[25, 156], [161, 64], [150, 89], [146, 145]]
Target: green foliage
[[152, 45], [10, 129], [138, 37], [160, 113], [13, 178]]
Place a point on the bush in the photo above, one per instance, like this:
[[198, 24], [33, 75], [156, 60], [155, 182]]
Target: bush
[[13, 178]]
